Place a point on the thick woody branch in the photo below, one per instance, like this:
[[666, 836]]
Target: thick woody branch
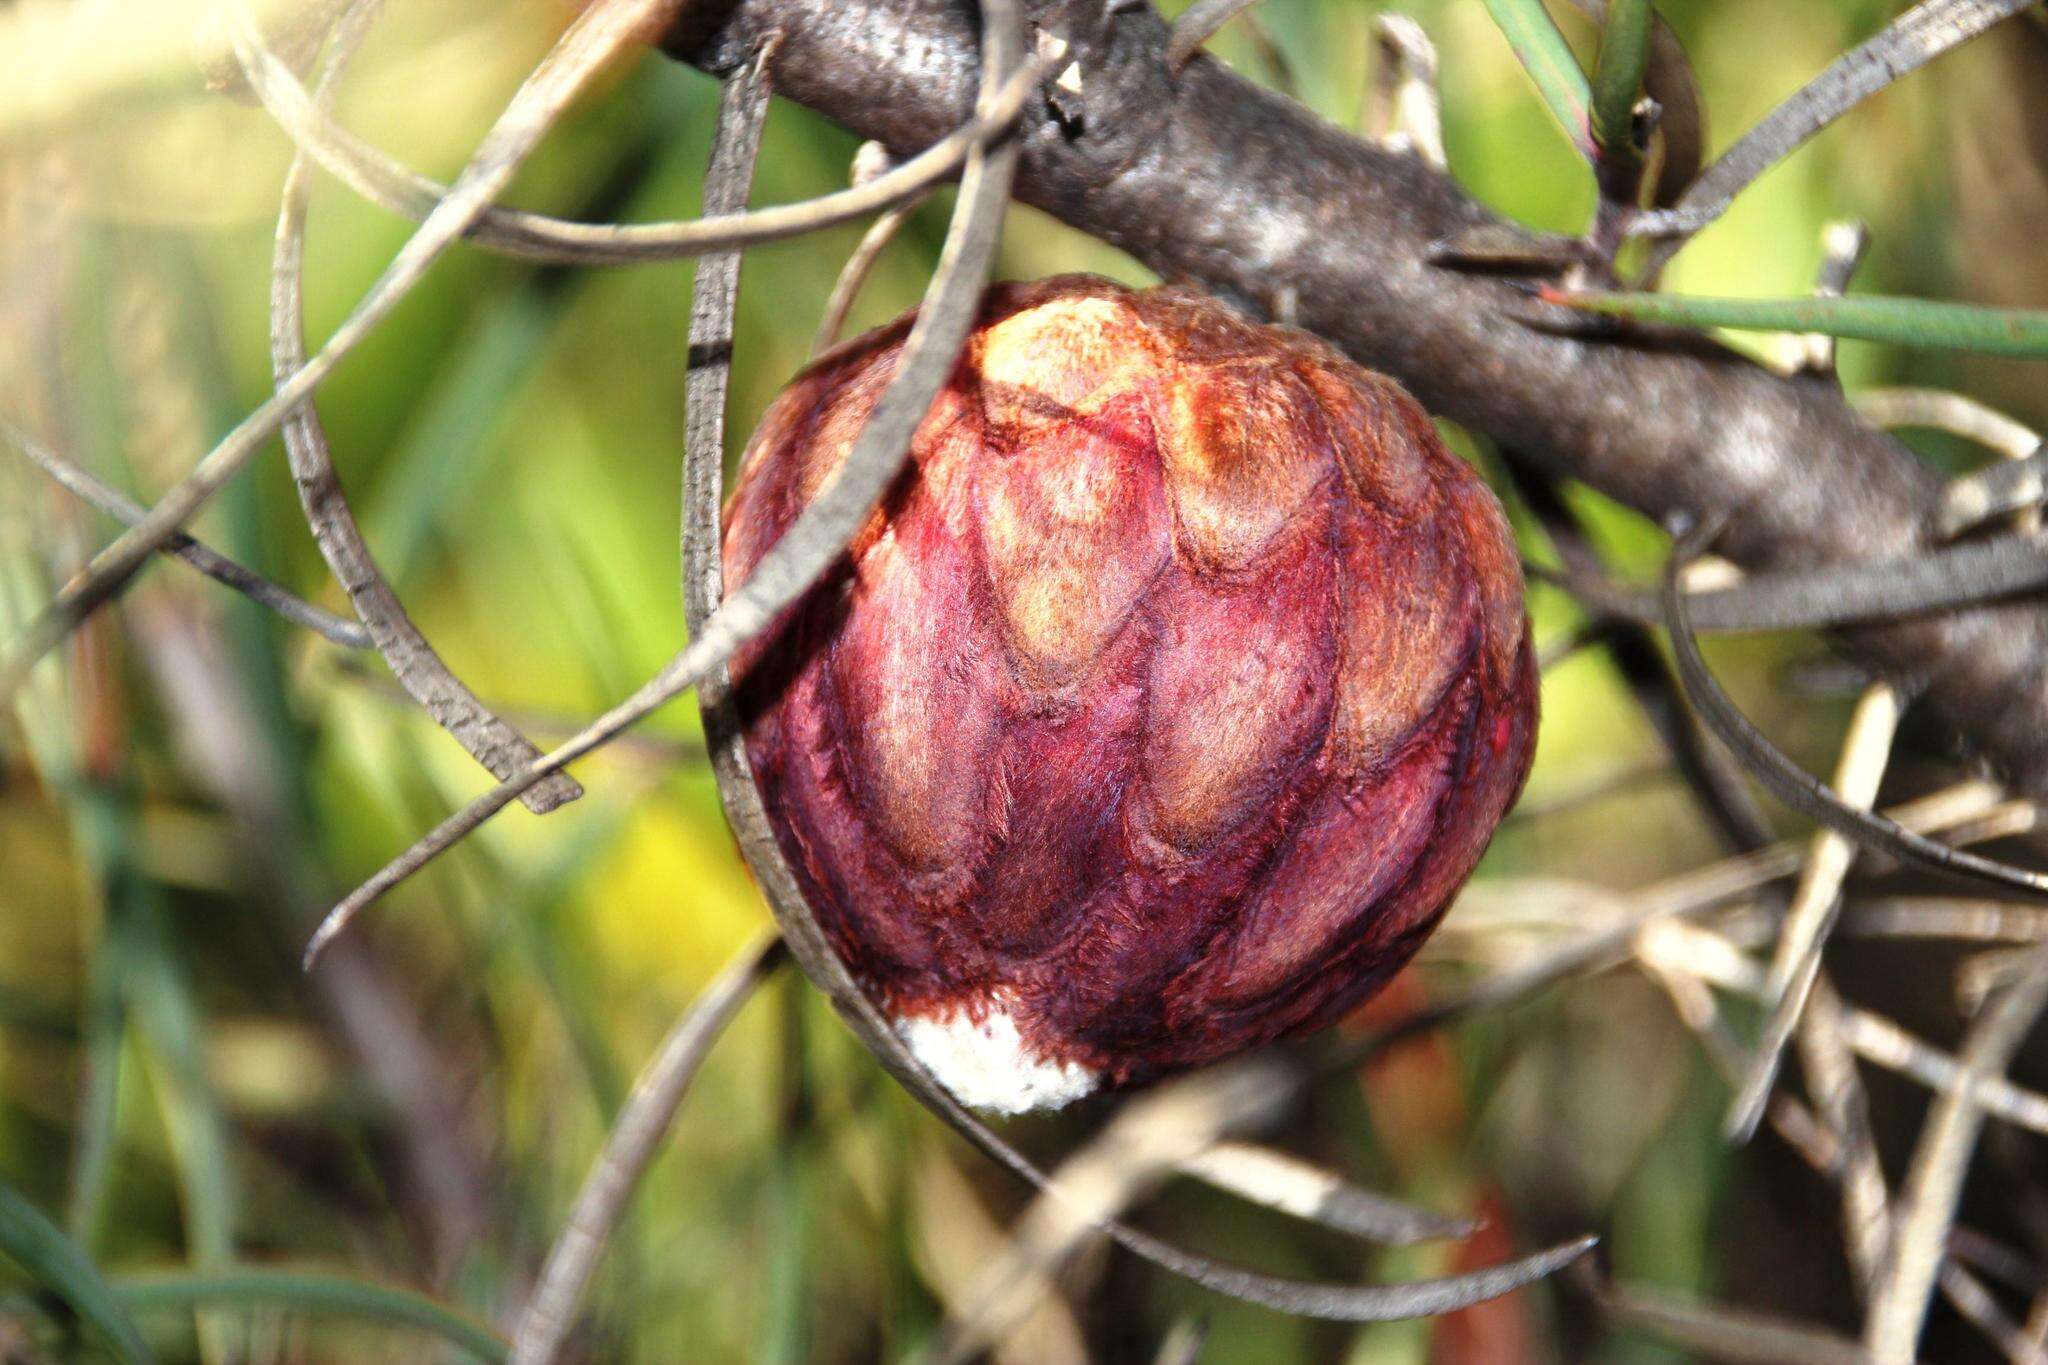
[[1205, 177]]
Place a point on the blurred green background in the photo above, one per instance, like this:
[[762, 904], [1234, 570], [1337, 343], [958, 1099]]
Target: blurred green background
[[189, 788]]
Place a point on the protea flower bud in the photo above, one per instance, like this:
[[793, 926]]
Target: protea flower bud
[[1160, 710]]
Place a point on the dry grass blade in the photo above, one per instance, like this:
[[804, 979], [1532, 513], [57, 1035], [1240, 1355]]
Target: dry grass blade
[[1088, 1192], [1911, 41], [592, 39], [1843, 246], [1687, 894], [1793, 784], [339, 630], [1405, 112], [1293, 1186], [1927, 1203], [855, 273], [818, 536], [1197, 24], [1183, 1342], [1147, 1140], [1976, 1303], [414, 663], [1709, 957], [1816, 900], [1727, 1334], [534, 236], [1957, 917], [634, 1140], [1995, 491], [1943, 410], [1835, 594]]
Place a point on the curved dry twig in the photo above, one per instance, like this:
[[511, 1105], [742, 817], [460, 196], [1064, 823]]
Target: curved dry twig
[[854, 273], [1725, 1333], [1197, 24], [1816, 904], [1292, 1186], [1832, 595], [487, 737], [1906, 44], [1944, 410], [1404, 111], [1994, 491], [215, 565], [400, 190], [592, 39], [817, 537], [1899, 1302], [1793, 784], [635, 1139], [1709, 957]]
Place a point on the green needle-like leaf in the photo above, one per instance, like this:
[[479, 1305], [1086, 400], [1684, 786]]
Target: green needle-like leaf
[[311, 1292], [40, 1247], [1618, 79], [2020, 333], [1542, 51]]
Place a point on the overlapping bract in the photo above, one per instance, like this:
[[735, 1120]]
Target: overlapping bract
[[1165, 703]]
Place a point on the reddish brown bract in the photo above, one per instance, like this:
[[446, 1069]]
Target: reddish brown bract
[[1160, 711]]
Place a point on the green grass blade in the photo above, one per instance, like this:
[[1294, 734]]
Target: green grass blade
[[311, 1292], [1923, 323], [1543, 53], [1618, 78], [40, 1247]]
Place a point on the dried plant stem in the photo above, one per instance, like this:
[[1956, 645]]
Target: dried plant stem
[[537, 237], [635, 1139], [818, 536], [592, 39], [1405, 112], [414, 662], [1911, 41], [1934, 1183], [1816, 900], [252, 585], [1293, 1186], [855, 273]]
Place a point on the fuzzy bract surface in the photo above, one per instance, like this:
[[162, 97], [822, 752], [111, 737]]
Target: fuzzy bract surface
[[1161, 709]]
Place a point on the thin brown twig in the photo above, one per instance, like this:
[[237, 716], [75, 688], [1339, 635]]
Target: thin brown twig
[[215, 565], [1726, 1333], [635, 1139], [1197, 24], [597, 34], [1909, 42], [1816, 900], [855, 272], [1941, 1160], [402, 191], [817, 537], [1404, 112], [414, 662], [1292, 1186], [1843, 245]]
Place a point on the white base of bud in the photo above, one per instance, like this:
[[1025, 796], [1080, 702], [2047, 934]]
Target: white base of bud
[[987, 1066]]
